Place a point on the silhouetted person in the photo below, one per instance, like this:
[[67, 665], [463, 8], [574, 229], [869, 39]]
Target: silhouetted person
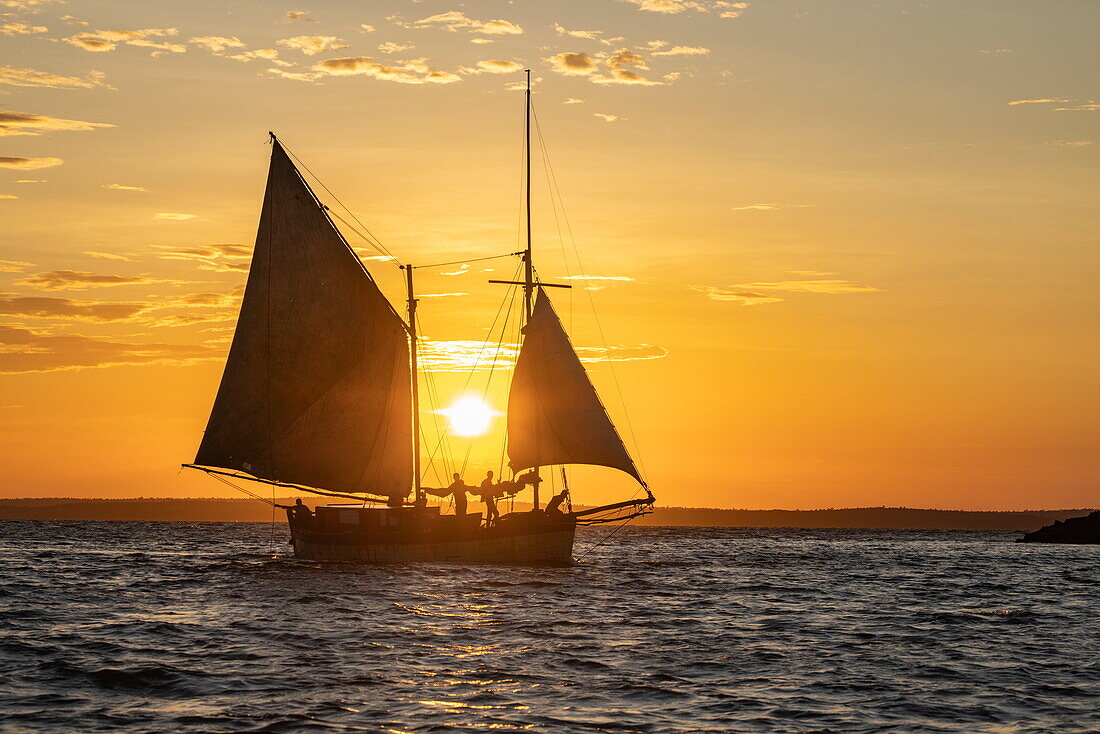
[[553, 507], [489, 493], [457, 490], [302, 514]]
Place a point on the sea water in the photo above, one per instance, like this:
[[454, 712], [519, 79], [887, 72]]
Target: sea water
[[157, 627]]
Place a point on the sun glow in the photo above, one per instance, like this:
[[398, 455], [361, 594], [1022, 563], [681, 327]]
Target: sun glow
[[469, 416]]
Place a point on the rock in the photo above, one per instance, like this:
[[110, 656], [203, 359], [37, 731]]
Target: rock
[[1074, 530]]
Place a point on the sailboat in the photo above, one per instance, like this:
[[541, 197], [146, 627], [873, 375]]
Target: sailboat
[[320, 394]]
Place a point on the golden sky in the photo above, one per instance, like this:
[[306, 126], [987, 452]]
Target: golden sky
[[842, 254]]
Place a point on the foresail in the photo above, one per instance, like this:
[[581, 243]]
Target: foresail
[[316, 389], [554, 413]]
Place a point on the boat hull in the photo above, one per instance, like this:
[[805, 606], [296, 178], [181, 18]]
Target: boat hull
[[406, 536], [544, 548]]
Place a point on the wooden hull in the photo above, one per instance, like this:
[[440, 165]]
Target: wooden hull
[[522, 539]]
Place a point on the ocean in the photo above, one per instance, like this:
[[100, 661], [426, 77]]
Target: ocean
[[210, 627]]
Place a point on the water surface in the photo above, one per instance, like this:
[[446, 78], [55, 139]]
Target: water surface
[[153, 627]]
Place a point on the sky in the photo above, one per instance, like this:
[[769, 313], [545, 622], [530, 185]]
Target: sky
[[822, 254]]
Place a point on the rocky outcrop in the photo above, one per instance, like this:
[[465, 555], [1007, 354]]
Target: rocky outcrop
[[1073, 530]]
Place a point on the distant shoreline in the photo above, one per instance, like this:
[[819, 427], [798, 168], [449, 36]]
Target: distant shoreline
[[247, 510]]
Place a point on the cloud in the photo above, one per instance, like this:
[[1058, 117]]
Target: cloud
[[768, 207], [620, 278], [587, 35], [71, 20], [454, 20], [1044, 100], [267, 54], [22, 123], [21, 29], [440, 295], [217, 44], [1089, 106], [573, 100], [109, 256], [30, 78], [23, 350], [753, 294], [299, 15], [390, 47], [415, 71], [497, 66], [366, 28], [122, 187], [30, 180], [14, 266], [724, 8], [683, 51], [28, 164], [65, 308], [1071, 143], [105, 41], [298, 76], [8, 196], [745, 298], [313, 45], [997, 51], [622, 65], [573, 64], [61, 279], [214, 258], [174, 216], [464, 356], [606, 117]]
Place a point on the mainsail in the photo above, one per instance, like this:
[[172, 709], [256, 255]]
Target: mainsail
[[554, 414], [316, 390]]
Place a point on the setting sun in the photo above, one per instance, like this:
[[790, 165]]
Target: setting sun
[[469, 416]]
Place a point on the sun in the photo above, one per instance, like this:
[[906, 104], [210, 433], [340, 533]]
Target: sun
[[469, 416]]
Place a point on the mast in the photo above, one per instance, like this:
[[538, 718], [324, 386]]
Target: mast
[[415, 381], [528, 266]]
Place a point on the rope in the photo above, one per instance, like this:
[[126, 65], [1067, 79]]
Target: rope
[[372, 240], [605, 538], [470, 260]]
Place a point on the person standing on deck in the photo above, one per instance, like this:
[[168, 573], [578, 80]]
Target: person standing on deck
[[457, 490], [488, 494]]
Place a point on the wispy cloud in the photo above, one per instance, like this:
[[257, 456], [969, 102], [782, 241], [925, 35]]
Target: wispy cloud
[[1070, 143], [123, 187], [8, 196], [174, 216], [312, 45], [598, 36], [14, 266], [1068, 105], [105, 41], [436, 355], [64, 279], [752, 294], [723, 8], [23, 123], [495, 66], [66, 308], [454, 20], [28, 164], [302, 15], [21, 29], [606, 117], [214, 258], [217, 44], [768, 207], [573, 100], [683, 51], [25, 350], [391, 47], [31, 78], [415, 71], [110, 256]]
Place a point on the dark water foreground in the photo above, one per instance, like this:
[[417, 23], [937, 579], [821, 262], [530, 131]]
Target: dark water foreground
[[156, 627]]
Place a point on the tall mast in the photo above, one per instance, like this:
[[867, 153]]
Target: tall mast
[[528, 266], [415, 381]]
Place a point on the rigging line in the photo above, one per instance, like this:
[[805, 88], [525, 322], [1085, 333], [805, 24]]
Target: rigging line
[[469, 260], [493, 364], [604, 539], [554, 207], [599, 326], [376, 242], [350, 226]]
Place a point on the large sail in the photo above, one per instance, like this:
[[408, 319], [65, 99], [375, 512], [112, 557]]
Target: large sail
[[554, 414], [316, 390]]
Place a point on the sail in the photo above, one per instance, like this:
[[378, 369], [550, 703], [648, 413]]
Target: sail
[[316, 390], [554, 414]]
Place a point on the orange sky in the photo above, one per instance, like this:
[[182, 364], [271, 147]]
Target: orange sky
[[847, 252]]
